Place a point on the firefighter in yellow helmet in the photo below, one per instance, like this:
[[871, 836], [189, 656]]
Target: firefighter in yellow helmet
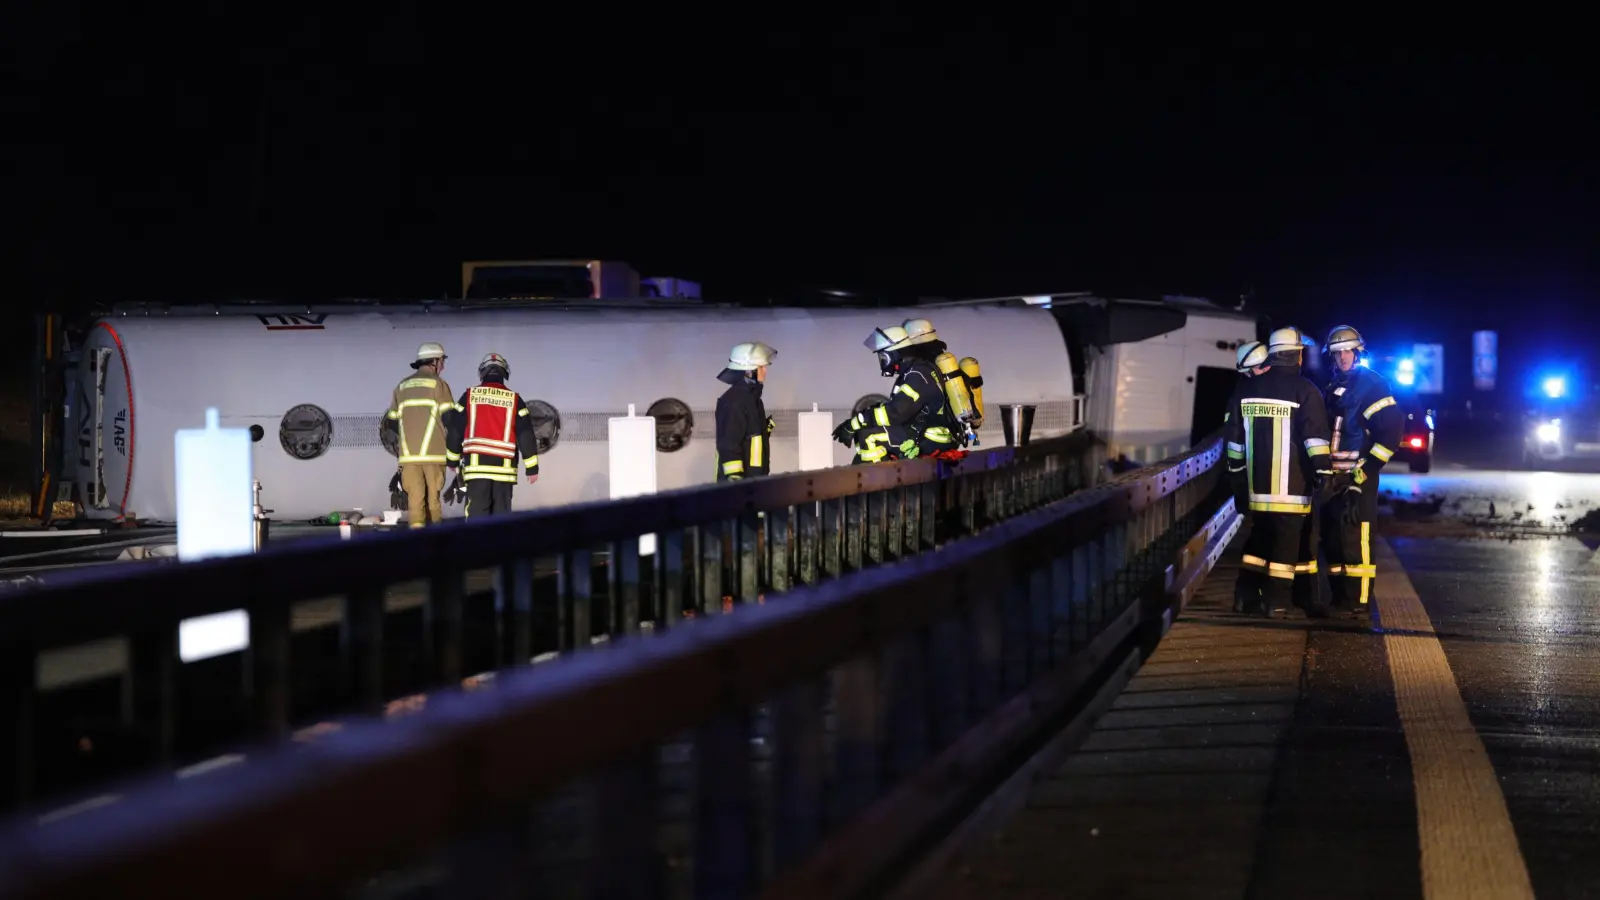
[[1367, 426], [962, 380], [1277, 441], [414, 423], [744, 429], [915, 420]]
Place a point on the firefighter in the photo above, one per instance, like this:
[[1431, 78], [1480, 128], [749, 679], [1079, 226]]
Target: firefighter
[[1250, 361], [1252, 358], [1277, 436], [490, 426], [743, 427], [962, 379], [414, 421], [1366, 431], [915, 420]]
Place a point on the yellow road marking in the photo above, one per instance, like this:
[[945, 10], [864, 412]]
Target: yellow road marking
[[1469, 848]]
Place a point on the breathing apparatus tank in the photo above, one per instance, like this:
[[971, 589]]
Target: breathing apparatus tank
[[974, 379], [958, 393]]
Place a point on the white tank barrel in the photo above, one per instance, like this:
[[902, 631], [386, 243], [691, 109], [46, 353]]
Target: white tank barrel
[[314, 387]]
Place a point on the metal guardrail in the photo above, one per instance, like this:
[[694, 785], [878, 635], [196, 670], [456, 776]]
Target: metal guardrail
[[937, 670], [711, 546]]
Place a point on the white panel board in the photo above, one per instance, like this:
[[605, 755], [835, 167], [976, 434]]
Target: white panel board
[[1429, 362], [816, 439], [215, 518], [632, 443], [1485, 359]]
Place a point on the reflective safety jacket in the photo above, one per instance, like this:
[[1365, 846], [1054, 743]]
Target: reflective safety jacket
[[742, 432], [1367, 423], [1277, 435], [485, 434], [917, 403], [415, 416]]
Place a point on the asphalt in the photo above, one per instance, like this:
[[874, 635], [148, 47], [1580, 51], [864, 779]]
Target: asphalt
[[1450, 748]]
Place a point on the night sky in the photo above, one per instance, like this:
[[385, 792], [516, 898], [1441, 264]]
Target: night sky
[[1419, 179]]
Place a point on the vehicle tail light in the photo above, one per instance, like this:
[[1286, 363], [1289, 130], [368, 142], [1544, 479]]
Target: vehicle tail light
[[1416, 442]]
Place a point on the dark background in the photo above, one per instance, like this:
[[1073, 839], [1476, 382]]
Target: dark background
[[1418, 178]]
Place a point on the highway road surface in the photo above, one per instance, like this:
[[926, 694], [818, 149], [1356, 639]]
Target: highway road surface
[[1450, 748]]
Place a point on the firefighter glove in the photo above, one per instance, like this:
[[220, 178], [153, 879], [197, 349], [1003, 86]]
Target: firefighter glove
[[397, 493], [454, 492], [844, 434], [771, 424]]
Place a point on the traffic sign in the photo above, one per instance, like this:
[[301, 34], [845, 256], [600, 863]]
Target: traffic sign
[[1429, 362]]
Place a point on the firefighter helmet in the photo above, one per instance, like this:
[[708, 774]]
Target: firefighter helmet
[[430, 350], [890, 338], [919, 331], [887, 343], [1286, 340], [1343, 337], [748, 357], [1252, 354], [494, 361]]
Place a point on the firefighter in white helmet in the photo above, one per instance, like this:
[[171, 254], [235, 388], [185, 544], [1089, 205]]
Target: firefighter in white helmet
[[1251, 358], [1277, 441], [1367, 426], [915, 420], [491, 426], [744, 430], [414, 423]]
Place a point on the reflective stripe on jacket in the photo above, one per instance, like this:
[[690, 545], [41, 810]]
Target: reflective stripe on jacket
[[419, 403]]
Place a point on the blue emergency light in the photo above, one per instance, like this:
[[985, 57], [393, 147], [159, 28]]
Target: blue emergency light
[[1406, 373], [1555, 386]]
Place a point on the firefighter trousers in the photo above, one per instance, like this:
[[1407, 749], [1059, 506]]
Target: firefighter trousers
[[422, 483], [1279, 565], [487, 497], [1347, 545]]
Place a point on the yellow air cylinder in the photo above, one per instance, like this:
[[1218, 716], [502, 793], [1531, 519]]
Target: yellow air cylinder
[[974, 380], [955, 387]]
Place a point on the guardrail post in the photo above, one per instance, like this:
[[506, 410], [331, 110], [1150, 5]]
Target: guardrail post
[[669, 578], [893, 527], [986, 657], [575, 628], [950, 674], [152, 689], [854, 515], [622, 575], [780, 549], [626, 864], [832, 538], [19, 668], [1041, 619], [711, 569], [1015, 669], [749, 558], [725, 848], [362, 638], [799, 772], [905, 696], [269, 667], [808, 542], [443, 615], [858, 739], [1082, 583], [513, 605]]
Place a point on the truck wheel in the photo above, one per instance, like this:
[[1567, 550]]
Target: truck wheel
[[1422, 465]]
